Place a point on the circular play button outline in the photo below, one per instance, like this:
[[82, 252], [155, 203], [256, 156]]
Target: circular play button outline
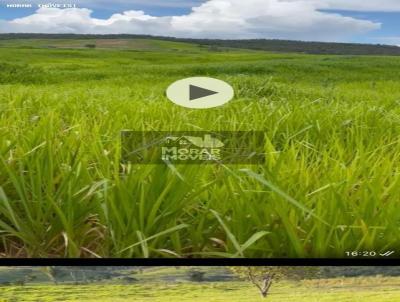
[[200, 92]]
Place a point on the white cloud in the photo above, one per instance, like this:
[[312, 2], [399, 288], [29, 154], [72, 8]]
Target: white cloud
[[298, 19], [289, 19]]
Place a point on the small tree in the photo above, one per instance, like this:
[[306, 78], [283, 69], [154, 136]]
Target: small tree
[[263, 276]]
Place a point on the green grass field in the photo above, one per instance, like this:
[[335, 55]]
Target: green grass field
[[331, 181], [355, 290]]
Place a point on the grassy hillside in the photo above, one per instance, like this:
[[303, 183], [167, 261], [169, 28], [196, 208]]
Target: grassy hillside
[[117, 44], [330, 182], [205, 292]]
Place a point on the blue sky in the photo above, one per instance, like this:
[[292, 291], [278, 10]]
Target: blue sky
[[375, 21], [390, 27]]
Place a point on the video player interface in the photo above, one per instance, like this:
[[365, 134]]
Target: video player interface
[[199, 129]]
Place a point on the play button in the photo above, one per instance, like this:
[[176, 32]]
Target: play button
[[200, 93]]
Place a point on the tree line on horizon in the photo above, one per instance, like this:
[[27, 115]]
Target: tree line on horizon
[[273, 45]]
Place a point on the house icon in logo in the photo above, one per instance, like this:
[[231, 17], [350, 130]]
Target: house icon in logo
[[206, 142]]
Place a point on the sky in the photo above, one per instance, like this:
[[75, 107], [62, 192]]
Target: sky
[[360, 21]]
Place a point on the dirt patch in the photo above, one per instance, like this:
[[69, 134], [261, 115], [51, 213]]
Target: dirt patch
[[104, 43]]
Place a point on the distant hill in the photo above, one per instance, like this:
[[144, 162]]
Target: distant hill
[[304, 47], [255, 44], [172, 274]]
